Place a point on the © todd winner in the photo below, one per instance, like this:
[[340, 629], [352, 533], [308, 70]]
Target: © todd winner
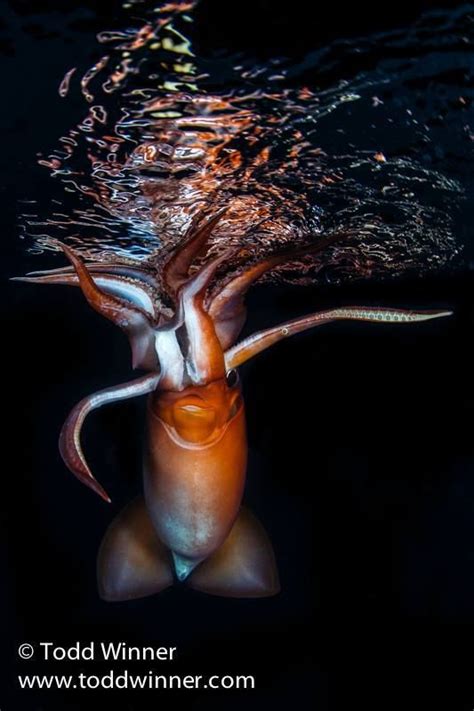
[[108, 651]]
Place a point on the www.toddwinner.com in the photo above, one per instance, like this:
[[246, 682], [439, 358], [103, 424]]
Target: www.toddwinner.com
[[118, 676]]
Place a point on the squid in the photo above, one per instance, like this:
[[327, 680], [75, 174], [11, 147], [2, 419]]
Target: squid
[[189, 525]]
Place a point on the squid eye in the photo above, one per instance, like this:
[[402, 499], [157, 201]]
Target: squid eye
[[232, 378]]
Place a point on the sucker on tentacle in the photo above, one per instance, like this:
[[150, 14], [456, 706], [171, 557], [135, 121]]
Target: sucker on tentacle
[[258, 342], [227, 306]]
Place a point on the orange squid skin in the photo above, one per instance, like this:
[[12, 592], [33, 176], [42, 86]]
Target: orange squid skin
[[195, 454], [194, 468]]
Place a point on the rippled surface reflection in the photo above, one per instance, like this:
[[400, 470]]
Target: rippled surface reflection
[[368, 137]]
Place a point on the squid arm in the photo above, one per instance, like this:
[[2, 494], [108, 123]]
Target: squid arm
[[69, 440], [227, 306], [128, 288], [176, 269], [205, 355], [141, 273], [134, 321], [258, 342]]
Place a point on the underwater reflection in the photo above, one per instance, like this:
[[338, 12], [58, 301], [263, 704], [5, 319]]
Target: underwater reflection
[[346, 141]]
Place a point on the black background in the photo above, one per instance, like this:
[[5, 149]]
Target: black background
[[361, 449]]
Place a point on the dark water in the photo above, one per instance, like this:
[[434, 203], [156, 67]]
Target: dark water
[[368, 136], [361, 454]]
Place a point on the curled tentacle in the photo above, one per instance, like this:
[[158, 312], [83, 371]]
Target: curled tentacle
[[133, 320], [69, 440], [175, 271], [227, 307], [258, 342]]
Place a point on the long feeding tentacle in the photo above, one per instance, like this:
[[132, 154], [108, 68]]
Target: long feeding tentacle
[[258, 342], [131, 319], [227, 307], [69, 440], [176, 270]]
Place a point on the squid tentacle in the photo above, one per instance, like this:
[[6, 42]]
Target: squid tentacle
[[175, 271], [140, 295], [205, 357], [132, 320], [227, 307], [187, 343], [107, 305], [258, 342], [129, 271], [69, 439]]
